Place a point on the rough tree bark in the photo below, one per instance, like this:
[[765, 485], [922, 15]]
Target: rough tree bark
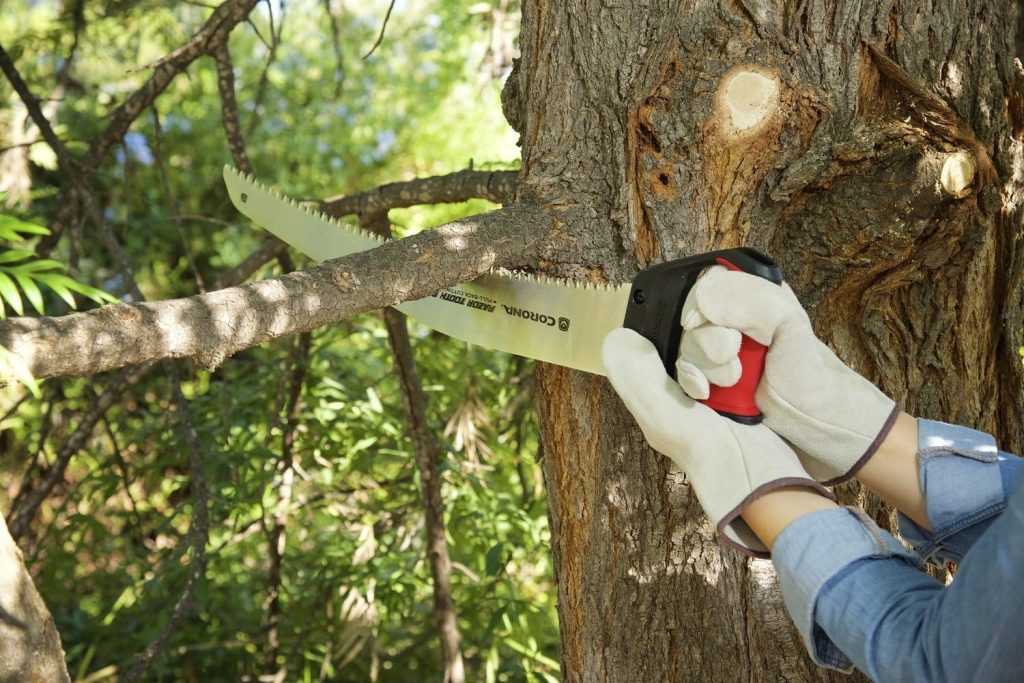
[[210, 327], [30, 648], [875, 150]]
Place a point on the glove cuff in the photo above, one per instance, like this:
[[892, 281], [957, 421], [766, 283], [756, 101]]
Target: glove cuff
[[734, 530], [871, 450]]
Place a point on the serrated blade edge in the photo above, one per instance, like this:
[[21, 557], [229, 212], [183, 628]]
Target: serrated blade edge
[[524, 314]]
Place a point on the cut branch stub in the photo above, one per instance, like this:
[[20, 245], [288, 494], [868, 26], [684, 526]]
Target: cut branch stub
[[741, 144], [748, 98], [958, 173]]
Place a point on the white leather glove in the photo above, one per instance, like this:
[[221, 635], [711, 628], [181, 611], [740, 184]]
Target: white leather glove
[[729, 465], [807, 395]]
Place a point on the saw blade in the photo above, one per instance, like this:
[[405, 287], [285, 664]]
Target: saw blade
[[536, 317]]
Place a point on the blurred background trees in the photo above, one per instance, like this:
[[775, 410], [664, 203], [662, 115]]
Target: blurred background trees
[[297, 451]]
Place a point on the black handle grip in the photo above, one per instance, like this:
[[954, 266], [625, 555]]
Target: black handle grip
[[658, 293]]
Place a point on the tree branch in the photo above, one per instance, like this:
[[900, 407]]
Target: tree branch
[[198, 529], [210, 327], [213, 33], [229, 107], [383, 27], [339, 55], [427, 452], [497, 186], [273, 670], [30, 647]]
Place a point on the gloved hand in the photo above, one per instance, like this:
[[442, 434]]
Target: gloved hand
[[808, 396], [729, 465]]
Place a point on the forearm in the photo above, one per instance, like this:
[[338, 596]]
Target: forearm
[[770, 514], [893, 473], [898, 624]]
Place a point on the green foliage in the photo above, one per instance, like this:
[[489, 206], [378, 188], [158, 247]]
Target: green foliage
[[21, 273], [109, 551]]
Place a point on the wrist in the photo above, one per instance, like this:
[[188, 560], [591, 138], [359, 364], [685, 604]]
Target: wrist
[[892, 472], [770, 514]]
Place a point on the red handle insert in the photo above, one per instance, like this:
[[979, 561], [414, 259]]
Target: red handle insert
[[737, 401]]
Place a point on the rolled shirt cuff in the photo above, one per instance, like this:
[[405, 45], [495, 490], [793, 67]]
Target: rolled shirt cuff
[[816, 549], [964, 481]]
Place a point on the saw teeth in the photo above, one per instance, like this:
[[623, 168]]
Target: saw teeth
[[533, 278], [548, 281], [304, 207]]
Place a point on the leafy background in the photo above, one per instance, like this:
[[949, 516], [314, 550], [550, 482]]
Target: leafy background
[[108, 546]]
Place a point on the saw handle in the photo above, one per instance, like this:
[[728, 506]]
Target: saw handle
[[655, 307]]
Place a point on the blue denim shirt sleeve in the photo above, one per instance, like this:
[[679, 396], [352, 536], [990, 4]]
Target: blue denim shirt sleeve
[[817, 549], [966, 481]]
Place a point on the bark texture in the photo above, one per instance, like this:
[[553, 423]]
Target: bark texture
[[460, 186], [874, 149], [210, 327], [30, 649]]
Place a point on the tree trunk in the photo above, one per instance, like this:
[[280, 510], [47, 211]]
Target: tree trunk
[[30, 649], [874, 149]]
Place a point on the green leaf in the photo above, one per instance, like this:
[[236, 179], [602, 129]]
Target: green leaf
[[57, 283], [9, 292], [11, 225], [41, 265], [31, 290], [15, 255], [495, 559], [97, 295]]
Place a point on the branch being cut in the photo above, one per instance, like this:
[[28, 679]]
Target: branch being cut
[[210, 327]]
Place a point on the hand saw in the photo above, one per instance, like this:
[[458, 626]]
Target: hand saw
[[534, 316]]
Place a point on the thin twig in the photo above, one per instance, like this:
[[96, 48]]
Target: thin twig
[[427, 453], [339, 54], [206, 219], [31, 495], [198, 532], [264, 80], [229, 108], [126, 480], [383, 27], [171, 200], [276, 532]]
